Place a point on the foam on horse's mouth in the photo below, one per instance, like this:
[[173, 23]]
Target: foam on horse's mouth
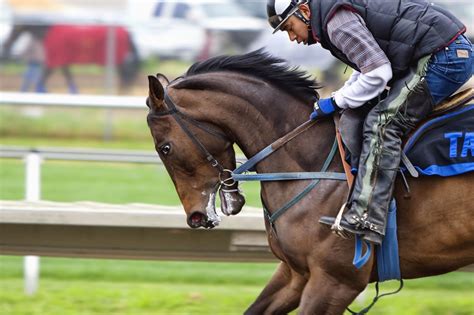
[[212, 216], [227, 202]]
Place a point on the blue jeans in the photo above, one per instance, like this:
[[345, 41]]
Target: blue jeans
[[450, 68]]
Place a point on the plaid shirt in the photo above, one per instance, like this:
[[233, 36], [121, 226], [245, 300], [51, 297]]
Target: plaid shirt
[[348, 32]]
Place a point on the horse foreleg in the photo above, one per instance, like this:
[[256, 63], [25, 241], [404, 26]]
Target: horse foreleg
[[281, 295], [69, 80], [41, 84], [324, 294]]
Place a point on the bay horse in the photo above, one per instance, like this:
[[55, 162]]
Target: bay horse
[[65, 45], [251, 100]]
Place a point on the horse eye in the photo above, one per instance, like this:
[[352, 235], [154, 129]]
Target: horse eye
[[165, 149]]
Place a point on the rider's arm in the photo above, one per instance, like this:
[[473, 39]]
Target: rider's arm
[[354, 76], [348, 32]]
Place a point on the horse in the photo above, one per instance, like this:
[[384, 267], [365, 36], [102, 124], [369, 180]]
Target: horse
[[65, 45], [251, 100]]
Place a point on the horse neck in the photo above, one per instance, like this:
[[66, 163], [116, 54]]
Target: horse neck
[[255, 114]]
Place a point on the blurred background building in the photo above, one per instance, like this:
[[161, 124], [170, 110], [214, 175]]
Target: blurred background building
[[156, 31]]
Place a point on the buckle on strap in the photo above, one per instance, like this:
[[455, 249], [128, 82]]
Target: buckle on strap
[[410, 168], [365, 224]]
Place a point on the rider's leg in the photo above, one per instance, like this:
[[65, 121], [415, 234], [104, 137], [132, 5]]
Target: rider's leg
[[450, 68], [446, 72], [408, 103]]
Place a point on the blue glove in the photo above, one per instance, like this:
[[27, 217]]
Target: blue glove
[[324, 107]]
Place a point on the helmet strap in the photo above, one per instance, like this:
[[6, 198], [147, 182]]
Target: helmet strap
[[300, 16]]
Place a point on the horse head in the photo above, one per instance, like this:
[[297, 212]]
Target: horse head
[[197, 154]]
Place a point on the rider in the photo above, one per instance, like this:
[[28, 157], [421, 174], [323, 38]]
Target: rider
[[413, 46]]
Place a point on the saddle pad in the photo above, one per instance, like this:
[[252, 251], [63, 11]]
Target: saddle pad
[[444, 145]]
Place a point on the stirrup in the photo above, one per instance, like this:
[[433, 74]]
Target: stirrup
[[337, 229]]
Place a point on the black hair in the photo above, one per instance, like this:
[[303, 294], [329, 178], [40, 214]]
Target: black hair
[[264, 66]]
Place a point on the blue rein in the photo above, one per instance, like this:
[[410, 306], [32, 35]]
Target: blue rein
[[250, 165], [360, 258], [315, 176]]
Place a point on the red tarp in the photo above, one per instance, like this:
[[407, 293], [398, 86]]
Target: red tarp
[[71, 44]]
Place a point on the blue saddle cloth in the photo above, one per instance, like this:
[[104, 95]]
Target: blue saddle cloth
[[388, 260], [444, 145]]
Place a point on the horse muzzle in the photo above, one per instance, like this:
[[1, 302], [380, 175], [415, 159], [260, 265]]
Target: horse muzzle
[[231, 204], [198, 219]]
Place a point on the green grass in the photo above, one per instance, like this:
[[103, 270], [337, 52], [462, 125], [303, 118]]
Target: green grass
[[172, 68], [95, 143], [82, 297], [66, 269], [83, 286], [74, 123]]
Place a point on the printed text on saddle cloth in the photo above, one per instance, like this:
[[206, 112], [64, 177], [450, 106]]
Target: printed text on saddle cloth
[[464, 138]]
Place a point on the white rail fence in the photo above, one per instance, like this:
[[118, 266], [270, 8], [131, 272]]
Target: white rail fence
[[70, 100], [134, 231]]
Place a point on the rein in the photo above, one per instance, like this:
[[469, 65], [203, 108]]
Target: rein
[[237, 175], [264, 153]]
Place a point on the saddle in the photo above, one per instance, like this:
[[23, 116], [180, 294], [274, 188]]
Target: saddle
[[442, 144]]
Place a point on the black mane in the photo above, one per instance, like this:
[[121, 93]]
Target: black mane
[[264, 66]]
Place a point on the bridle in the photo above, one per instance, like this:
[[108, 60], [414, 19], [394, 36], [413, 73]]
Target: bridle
[[180, 118], [237, 175]]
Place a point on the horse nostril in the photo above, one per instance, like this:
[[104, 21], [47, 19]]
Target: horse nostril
[[197, 219]]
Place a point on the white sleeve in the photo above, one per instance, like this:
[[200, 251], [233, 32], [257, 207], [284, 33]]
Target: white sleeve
[[365, 87], [354, 75]]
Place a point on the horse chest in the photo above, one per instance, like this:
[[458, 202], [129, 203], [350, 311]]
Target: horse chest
[[285, 247]]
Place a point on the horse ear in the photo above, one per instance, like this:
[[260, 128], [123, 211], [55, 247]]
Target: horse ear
[[156, 92], [163, 80]]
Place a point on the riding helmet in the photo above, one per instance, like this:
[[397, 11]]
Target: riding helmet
[[279, 11]]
